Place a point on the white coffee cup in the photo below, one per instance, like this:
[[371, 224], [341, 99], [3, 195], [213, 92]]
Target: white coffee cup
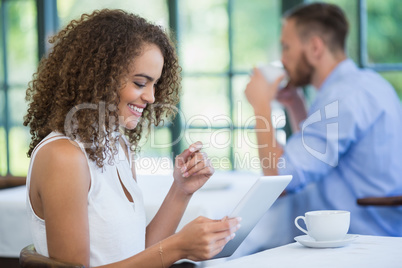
[[272, 71], [325, 225]]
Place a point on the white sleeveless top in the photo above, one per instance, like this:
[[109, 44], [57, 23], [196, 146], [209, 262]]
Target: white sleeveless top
[[116, 225]]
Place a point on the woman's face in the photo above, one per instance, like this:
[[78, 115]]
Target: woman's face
[[139, 89]]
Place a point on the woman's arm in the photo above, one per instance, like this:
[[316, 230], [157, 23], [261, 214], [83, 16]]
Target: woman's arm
[[192, 169], [199, 240], [168, 217], [60, 182]]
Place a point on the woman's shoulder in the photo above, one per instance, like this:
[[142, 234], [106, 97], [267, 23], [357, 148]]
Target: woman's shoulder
[[63, 159], [62, 150]]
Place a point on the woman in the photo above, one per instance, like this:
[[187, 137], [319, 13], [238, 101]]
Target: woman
[[109, 75]]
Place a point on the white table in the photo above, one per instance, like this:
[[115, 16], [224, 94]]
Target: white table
[[14, 229], [365, 251]]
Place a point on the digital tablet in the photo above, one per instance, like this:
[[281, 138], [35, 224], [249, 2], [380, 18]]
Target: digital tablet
[[253, 206]]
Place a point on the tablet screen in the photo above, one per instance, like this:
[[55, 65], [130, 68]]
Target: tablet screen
[[253, 206]]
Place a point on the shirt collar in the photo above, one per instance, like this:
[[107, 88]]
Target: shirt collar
[[344, 67]]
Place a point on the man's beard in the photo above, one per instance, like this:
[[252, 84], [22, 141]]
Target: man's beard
[[303, 73]]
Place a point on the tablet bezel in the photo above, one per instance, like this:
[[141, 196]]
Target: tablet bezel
[[254, 204]]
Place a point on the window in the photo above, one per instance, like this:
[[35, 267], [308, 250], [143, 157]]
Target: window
[[219, 41], [18, 54], [383, 40], [19, 59]]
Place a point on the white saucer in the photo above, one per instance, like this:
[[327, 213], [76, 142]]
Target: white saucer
[[307, 241]]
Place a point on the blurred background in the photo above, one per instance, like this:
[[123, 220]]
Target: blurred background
[[218, 42]]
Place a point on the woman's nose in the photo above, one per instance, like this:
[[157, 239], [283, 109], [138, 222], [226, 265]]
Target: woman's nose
[[149, 94]]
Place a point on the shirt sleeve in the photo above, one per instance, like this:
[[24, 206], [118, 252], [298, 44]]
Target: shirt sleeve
[[334, 124]]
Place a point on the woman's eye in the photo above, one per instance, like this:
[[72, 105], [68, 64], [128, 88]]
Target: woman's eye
[[139, 85]]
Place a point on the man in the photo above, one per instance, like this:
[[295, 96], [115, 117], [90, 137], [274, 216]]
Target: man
[[348, 144]]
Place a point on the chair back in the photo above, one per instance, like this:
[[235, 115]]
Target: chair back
[[9, 181], [380, 201]]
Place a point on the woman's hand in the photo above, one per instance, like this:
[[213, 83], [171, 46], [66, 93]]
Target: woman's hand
[[203, 238], [192, 169]]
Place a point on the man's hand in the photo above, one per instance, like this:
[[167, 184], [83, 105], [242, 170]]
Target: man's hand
[[289, 96], [259, 91]]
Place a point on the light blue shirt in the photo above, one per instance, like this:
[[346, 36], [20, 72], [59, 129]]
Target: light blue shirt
[[351, 147]]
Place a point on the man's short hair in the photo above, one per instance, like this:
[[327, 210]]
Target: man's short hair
[[326, 20]]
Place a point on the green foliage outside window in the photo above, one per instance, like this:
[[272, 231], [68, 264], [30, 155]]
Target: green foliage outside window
[[384, 38]]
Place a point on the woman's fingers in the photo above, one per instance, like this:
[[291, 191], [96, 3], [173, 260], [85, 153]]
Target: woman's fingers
[[208, 237], [198, 162], [221, 238], [202, 167], [206, 171], [225, 224], [186, 155], [219, 245], [219, 227], [197, 146], [193, 160]]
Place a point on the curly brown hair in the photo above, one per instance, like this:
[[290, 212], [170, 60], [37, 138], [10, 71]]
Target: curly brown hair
[[86, 68]]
